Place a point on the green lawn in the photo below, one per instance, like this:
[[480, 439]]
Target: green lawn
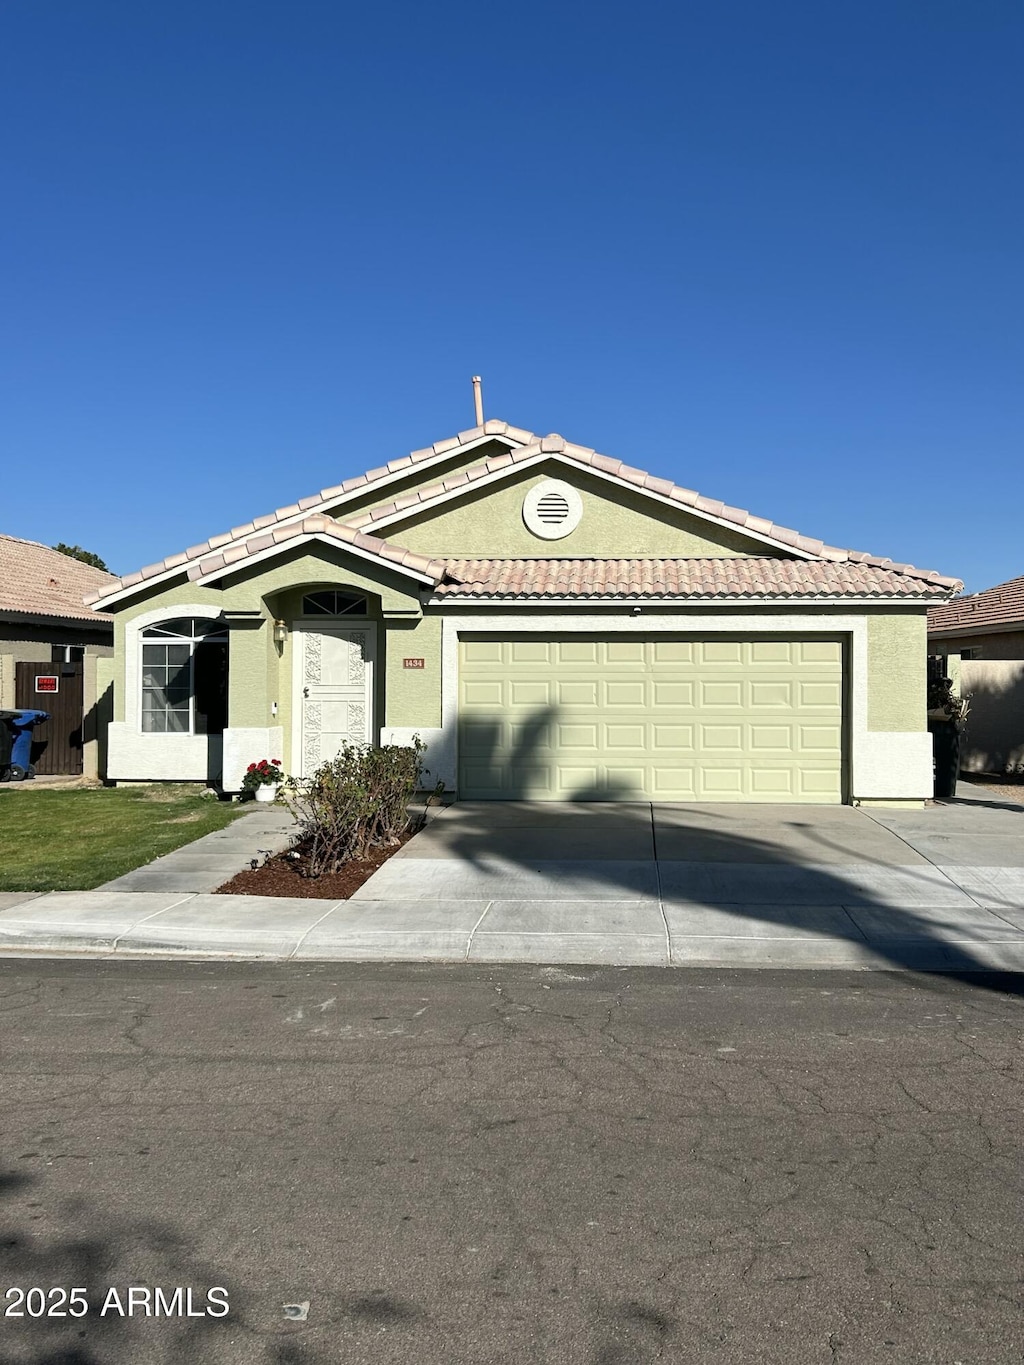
[[74, 840]]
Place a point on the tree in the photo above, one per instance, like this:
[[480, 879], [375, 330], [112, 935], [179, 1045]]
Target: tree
[[86, 556]]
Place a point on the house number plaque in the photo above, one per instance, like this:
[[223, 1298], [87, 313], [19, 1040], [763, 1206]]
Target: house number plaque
[[413, 663]]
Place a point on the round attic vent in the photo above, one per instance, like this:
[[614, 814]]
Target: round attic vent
[[552, 509]]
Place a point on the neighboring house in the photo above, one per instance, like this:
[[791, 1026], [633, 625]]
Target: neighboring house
[[49, 639], [552, 622], [985, 633]]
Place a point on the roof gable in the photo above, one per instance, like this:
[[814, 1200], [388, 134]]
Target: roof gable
[[486, 519], [728, 530], [710, 510], [329, 501]]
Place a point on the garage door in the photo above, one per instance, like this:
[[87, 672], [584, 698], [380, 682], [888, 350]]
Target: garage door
[[661, 719]]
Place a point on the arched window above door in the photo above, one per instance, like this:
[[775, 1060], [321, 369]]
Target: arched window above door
[[333, 602]]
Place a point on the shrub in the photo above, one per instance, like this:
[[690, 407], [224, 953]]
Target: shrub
[[356, 803]]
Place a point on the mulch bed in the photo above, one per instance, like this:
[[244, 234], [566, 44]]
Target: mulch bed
[[283, 875]]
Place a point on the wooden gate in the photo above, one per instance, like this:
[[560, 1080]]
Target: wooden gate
[[57, 743]]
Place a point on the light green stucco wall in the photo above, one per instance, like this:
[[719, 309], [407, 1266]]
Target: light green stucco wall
[[414, 695], [897, 672], [488, 524]]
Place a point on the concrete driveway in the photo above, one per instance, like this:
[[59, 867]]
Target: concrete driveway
[[690, 881]]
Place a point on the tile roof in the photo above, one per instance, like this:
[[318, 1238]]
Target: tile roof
[[276, 536], [737, 517], [287, 522], [43, 582], [673, 578], [1002, 605], [318, 502]]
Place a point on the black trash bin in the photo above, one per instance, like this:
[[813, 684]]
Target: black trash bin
[[6, 743], [946, 755], [22, 725]]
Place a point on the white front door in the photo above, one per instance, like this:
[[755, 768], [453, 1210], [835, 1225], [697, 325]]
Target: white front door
[[335, 692]]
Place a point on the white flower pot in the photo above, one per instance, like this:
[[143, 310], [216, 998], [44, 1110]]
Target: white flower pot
[[266, 792]]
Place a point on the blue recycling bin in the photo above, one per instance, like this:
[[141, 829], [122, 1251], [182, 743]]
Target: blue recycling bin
[[21, 726]]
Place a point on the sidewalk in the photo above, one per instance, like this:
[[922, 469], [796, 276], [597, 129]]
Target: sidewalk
[[934, 910]]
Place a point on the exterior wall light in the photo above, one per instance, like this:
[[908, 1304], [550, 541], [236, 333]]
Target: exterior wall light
[[280, 632]]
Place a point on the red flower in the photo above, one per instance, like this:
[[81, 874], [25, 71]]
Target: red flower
[[251, 768], [277, 761]]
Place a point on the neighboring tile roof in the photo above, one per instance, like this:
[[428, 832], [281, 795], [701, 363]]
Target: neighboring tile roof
[[317, 502], [737, 517], [697, 578], [236, 554], [42, 582], [1002, 605]]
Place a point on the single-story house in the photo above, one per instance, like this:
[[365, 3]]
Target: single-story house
[[553, 623], [50, 644], [981, 637]]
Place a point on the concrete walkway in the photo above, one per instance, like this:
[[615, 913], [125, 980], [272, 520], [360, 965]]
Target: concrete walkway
[[936, 889]]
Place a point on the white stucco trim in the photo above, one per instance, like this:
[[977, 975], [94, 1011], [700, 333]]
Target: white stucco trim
[[245, 744], [880, 764], [508, 471], [135, 757], [436, 762]]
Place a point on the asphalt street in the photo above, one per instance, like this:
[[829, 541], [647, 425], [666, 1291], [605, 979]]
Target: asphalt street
[[595, 1166]]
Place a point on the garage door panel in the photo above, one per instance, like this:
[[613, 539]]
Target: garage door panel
[[771, 695], [717, 652], [823, 784], [715, 696], [632, 736], [576, 693], [819, 652], [576, 652], [624, 651], [673, 739], [532, 693], [578, 737], [673, 694], [769, 652], [662, 719], [672, 652], [574, 779], [825, 694], [717, 783], [717, 739], [485, 694], [818, 738], [771, 738], [673, 783], [630, 694], [777, 783]]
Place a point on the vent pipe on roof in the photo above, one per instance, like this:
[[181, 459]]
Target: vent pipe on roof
[[478, 400]]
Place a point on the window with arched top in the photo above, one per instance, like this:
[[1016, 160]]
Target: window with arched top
[[185, 677], [333, 602]]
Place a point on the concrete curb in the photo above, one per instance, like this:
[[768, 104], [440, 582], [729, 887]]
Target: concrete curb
[[253, 928]]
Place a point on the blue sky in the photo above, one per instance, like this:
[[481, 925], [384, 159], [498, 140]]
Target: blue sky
[[773, 252]]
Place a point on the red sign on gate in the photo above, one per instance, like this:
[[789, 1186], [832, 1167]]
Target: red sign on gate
[[47, 682]]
